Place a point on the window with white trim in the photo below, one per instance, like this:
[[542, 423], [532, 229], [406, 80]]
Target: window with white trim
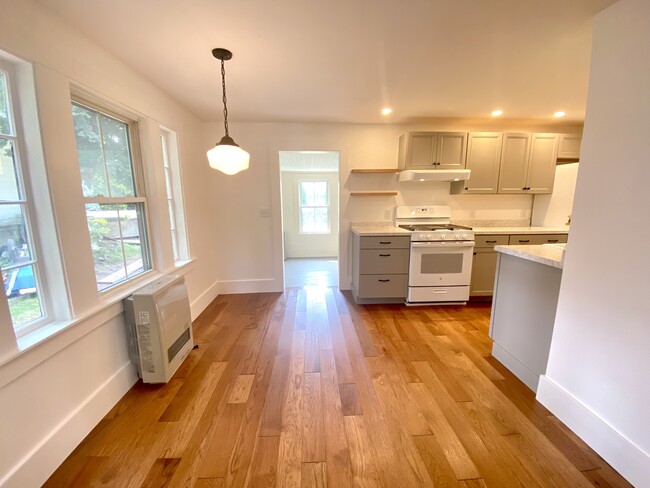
[[111, 178], [313, 200], [174, 193], [18, 251]]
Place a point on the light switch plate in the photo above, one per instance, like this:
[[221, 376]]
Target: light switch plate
[[265, 212]]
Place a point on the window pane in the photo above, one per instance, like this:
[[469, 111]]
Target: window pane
[[14, 245], [306, 193], [5, 116], [89, 148], [24, 302], [320, 193], [9, 189], [168, 183], [307, 220], [321, 223], [115, 233], [115, 135]]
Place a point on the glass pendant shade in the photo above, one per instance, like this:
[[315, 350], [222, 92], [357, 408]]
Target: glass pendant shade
[[228, 157]]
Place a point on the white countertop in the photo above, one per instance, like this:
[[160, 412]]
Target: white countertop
[[550, 255], [378, 230], [520, 230]]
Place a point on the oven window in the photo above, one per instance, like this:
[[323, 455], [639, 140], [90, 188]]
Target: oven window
[[451, 263]]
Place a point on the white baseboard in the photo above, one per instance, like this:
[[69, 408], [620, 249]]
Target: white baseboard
[[625, 456], [204, 299], [249, 286], [37, 465]]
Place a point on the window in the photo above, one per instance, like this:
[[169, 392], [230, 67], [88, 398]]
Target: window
[[112, 189], [18, 255], [174, 195], [314, 207]]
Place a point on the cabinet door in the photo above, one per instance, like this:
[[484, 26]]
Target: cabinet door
[[451, 150], [483, 159], [422, 150], [514, 159], [541, 166], [569, 146], [484, 268]]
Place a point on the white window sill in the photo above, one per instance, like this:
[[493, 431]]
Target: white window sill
[[48, 340]]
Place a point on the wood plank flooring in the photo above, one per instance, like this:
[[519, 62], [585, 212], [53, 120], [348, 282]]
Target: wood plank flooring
[[307, 389]]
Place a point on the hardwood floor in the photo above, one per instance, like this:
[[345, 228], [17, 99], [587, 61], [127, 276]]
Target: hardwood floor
[[307, 389]]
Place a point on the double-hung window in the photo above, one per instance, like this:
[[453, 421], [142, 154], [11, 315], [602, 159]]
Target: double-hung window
[[18, 251], [313, 198], [111, 178]]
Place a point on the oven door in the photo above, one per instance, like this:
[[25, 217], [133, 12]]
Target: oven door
[[446, 263]]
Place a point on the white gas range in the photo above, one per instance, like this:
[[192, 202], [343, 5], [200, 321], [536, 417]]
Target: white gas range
[[440, 265]]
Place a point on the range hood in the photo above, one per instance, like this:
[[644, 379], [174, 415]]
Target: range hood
[[434, 175]]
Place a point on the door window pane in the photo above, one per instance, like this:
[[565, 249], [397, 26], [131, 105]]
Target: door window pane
[[314, 207], [9, 188]]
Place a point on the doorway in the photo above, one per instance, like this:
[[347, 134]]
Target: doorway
[[310, 217]]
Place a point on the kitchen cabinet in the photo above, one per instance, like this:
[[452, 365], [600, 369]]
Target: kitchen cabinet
[[569, 146], [484, 160], [528, 163], [380, 266], [537, 239], [484, 264], [432, 150]]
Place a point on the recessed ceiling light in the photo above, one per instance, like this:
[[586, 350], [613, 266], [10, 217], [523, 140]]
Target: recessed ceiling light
[[559, 114], [497, 113], [386, 111]]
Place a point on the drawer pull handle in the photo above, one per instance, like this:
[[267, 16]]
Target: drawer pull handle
[[383, 281], [384, 255], [553, 240], [384, 242], [527, 240], [491, 242]]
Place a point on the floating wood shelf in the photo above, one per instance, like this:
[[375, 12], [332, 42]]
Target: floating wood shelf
[[373, 193], [376, 170]]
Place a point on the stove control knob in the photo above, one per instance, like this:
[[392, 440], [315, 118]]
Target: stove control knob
[[459, 237], [443, 237], [422, 237]]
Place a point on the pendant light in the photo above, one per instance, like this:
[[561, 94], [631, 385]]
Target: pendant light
[[226, 156]]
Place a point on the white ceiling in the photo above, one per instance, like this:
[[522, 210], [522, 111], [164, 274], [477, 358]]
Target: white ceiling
[[342, 60]]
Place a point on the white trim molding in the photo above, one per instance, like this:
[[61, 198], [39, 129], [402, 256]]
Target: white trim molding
[[203, 300], [626, 457], [260, 285]]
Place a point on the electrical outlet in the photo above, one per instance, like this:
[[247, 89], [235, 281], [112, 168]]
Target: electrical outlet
[[265, 212]]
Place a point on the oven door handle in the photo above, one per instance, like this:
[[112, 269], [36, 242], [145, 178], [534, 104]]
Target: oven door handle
[[443, 244]]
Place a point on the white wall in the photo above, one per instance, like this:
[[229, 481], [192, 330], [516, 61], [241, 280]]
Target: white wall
[[250, 257], [297, 245], [554, 210], [54, 393], [597, 377]]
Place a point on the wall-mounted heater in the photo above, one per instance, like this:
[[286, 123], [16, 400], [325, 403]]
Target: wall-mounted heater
[[159, 328]]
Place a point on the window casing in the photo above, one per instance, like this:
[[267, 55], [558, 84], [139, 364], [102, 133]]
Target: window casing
[[19, 252], [313, 203], [174, 192], [113, 190]]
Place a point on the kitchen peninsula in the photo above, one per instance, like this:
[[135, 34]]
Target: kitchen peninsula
[[527, 286]]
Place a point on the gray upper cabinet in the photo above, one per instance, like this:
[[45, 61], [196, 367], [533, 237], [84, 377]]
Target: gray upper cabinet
[[528, 163], [569, 146], [483, 159], [432, 150]]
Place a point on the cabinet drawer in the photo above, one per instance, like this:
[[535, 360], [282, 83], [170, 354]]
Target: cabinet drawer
[[384, 261], [491, 241], [383, 286], [537, 239], [385, 242]]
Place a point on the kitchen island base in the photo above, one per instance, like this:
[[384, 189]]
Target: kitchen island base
[[523, 315]]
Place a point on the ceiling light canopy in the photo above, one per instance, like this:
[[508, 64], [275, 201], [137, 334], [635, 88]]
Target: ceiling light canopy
[[226, 156], [497, 113], [386, 111], [559, 114]]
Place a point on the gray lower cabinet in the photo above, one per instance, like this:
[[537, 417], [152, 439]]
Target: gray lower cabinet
[[380, 266], [484, 264]]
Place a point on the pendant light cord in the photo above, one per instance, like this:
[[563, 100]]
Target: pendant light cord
[[225, 100]]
